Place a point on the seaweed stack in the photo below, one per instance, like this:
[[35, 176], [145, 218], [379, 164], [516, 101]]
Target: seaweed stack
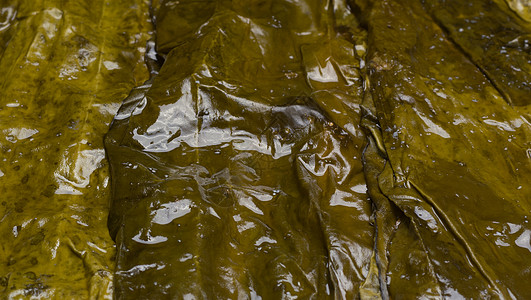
[[269, 149]]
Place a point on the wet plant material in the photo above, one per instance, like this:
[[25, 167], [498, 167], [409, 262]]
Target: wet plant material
[[65, 65], [267, 149]]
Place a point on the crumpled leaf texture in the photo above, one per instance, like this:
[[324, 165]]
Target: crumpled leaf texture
[[65, 66], [271, 149], [315, 149]]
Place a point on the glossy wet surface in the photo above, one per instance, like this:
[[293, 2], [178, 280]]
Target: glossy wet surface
[[280, 149], [65, 68]]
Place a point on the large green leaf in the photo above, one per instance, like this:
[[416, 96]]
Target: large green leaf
[[230, 178], [457, 160], [66, 66]]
